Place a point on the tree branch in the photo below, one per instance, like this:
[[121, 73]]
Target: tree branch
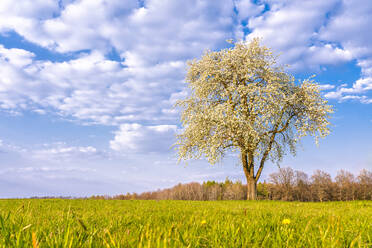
[[264, 157], [244, 163], [284, 127], [269, 146], [228, 146], [286, 124]]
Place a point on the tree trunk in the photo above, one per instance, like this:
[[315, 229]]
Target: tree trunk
[[251, 189], [248, 167]]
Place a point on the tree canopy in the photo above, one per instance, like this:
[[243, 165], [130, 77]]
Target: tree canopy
[[242, 100]]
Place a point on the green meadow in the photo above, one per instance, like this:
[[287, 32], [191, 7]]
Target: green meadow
[[118, 223]]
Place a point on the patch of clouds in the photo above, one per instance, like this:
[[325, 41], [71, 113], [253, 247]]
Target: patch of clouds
[[89, 88], [41, 9], [310, 34], [12, 63], [291, 28], [26, 17], [351, 28], [326, 86], [7, 147], [360, 90], [15, 56], [88, 25], [93, 88], [58, 152], [45, 169], [174, 30], [247, 9], [131, 138], [61, 152]]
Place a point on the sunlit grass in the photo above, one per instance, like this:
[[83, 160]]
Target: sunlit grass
[[114, 223]]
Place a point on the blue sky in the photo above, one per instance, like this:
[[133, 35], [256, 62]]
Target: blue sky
[[87, 87]]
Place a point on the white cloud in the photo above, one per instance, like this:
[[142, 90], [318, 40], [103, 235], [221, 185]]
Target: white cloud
[[46, 169], [61, 152], [351, 28], [101, 25], [16, 57], [53, 152], [138, 138], [89, 88], [314, 33], [13, 78], [247, 9], [327, 54], [26, 16], [326, 86], [29, 8], [291, 27], [89, 24], [95, 89], [359, 89]]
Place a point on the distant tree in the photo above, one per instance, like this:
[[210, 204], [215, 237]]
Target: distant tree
[[241, 100], [179, 192], [263, 191], [365, 185], [233, 191], [322, 185], [302, 187], [345, 182], [283, 181], [212, 191], [194, 191]]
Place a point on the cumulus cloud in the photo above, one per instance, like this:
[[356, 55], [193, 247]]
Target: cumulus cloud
[[138, 138], [360, 89], [12, 63], [350, 27], [61, 152], [16, 57], [26, 18], [291, 27], [96, 89], [247, 9], [53, 152], [90, 88], [88, 24], [314, 33], [45, 169], [326, 86]]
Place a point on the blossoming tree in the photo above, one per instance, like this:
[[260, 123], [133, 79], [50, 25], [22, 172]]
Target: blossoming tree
[[242, 101]]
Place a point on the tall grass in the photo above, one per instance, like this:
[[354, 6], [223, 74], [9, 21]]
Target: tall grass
[[100, 223]]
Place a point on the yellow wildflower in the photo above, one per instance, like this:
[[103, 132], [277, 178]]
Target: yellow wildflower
[[203, 222], [286, 221]]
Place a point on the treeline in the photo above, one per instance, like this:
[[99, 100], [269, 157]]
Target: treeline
[[286, 184]]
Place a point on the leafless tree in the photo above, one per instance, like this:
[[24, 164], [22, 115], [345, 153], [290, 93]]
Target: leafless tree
[[345, 182], [284, 181], [322, 185], [364, 180], [302, 191]]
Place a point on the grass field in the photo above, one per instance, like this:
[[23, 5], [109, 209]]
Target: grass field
[[114, 223]]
